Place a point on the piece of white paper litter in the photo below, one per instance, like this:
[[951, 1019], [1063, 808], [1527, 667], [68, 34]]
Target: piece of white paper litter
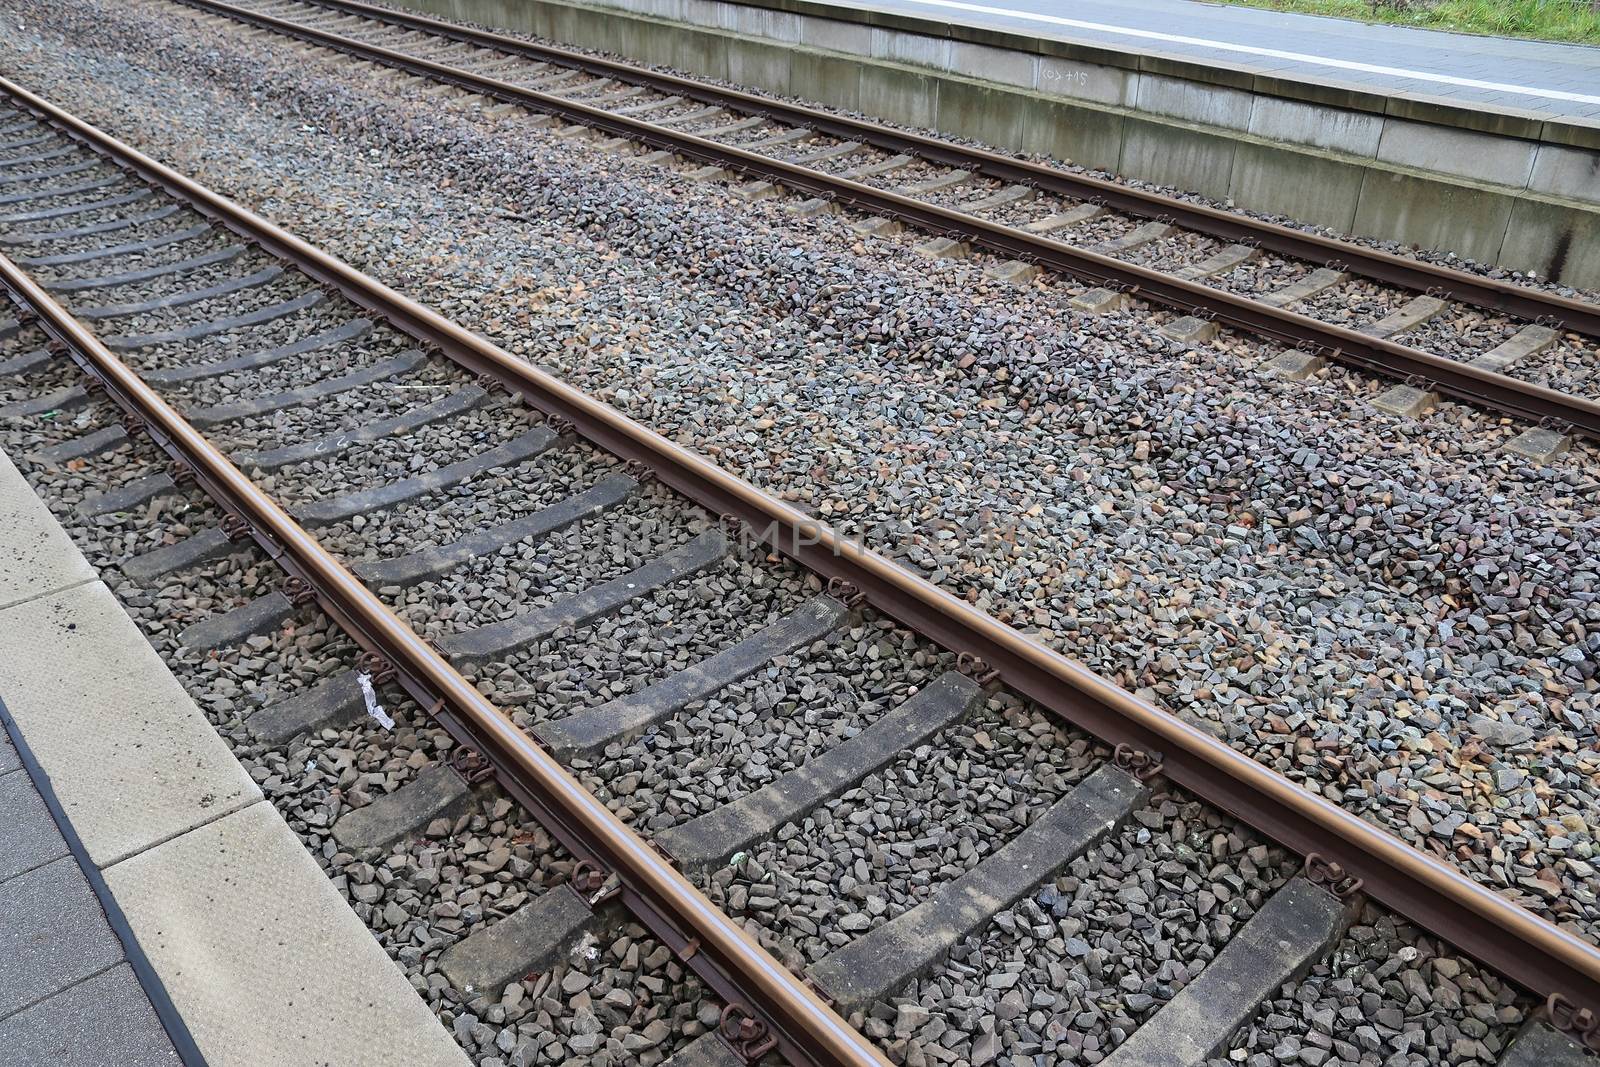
[[374, 708]]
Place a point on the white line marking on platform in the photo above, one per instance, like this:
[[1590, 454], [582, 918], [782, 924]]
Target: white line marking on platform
[[1253, 50]]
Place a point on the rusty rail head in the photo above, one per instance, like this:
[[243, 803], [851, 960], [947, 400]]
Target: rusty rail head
[[1512, 940], [1519, 301], [805, 1026], [1525, 400]]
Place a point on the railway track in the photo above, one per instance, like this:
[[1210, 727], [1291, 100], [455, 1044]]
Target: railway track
[[691, 686], [1434, 329]]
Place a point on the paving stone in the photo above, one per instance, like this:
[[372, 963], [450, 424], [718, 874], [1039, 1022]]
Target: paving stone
[[9, 759], [54, 934], [28, 835], [103, 1020], [1277, 945], [436, 792]]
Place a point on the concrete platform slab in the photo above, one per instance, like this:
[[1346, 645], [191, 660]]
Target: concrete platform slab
[[152, 766], [39, 556], [263, 957]]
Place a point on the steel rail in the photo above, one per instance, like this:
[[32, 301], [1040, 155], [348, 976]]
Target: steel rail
[[1524, 400], [1523, 946], [805, 1028], [1518, 301]]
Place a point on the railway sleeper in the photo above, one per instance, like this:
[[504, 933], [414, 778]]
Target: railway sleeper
[[617, 721], [437, 792], [510, 635], [25, 363], [883, 961], [122, 222], [126, 497], [183, 298], [104, 182], [199, 330], [524, 446], [431, 562], [38, 157], [1278, 944], [68, 210], [82, 447], [1319, 280], [336, 701], [210, 543], [1528, 341], [54, 172], [1138, 237], [109, 251], [459, 402], [353, 330], [228, 628], [1406, 317], [383, 370], [25, 143], [535, 937], [1219, 262], [708, 841]]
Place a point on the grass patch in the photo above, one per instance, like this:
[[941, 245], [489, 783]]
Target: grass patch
[[1574, 21]]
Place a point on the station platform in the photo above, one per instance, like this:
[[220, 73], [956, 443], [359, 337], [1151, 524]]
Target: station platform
[[1492, 74], [154, 906], [1482, 148]]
